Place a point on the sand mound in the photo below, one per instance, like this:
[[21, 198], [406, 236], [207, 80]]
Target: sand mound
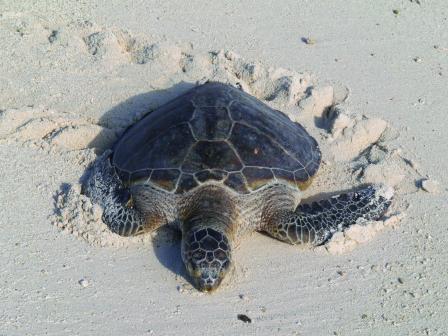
[[75, 214], [49, 129], [356, 148], [343, 242]]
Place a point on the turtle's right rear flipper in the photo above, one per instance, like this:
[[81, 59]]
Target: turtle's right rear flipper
[[315, 223]]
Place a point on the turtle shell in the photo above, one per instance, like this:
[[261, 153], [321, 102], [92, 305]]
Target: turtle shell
[[215, 132]]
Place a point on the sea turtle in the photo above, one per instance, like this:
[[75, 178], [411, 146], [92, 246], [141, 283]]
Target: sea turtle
[[218, 164]]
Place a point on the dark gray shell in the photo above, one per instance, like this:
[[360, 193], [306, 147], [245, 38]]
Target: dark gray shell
[[216, 132]]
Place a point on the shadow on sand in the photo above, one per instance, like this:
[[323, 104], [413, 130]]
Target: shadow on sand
[[167, 248], [136, 107]]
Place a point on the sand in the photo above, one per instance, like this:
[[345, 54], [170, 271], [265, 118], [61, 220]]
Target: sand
[[371, 91]]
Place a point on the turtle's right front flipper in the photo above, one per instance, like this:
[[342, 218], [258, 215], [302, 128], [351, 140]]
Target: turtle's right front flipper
[[315, 223], [105, 188]]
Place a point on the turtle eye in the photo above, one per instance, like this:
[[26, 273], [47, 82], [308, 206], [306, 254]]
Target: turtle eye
[[220, 255]]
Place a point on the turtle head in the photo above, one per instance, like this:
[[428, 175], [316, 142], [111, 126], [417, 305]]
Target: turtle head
[[207, 258]]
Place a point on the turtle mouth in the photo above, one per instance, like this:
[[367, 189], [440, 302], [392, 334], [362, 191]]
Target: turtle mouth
[[206, 279], [207, 285]]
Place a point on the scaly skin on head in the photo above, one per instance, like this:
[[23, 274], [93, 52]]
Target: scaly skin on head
[[207, 237], [206, 253]]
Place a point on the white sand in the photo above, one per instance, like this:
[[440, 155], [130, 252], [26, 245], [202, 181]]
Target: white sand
[[371, 89]]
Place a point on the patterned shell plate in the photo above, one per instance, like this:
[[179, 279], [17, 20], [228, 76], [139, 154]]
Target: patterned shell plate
[[216, 132]]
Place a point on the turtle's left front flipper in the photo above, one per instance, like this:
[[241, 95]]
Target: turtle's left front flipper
[[315, 223]]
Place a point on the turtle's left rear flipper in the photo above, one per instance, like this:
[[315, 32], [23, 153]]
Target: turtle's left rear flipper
[[315, 223]]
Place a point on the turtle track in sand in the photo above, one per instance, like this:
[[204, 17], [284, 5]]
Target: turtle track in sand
[[142, 72]]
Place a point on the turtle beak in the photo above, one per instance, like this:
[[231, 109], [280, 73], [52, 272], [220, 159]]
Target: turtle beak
[[208, 280], [208, 288]]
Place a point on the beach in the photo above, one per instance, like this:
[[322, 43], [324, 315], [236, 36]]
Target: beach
[[368, 80]]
